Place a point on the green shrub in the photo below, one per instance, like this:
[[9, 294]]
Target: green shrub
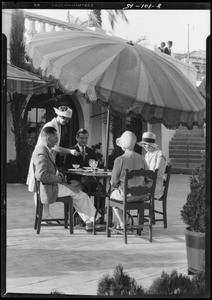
[[193, 213], [118, 284]]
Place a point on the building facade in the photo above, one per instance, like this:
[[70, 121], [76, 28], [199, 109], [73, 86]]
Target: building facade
[[92, 117]]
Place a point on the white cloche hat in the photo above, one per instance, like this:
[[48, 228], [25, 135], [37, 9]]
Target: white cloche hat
[[63, 111], [127, 140]]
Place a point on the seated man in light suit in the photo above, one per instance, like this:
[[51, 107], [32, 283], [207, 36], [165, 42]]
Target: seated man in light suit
[[53, 183]]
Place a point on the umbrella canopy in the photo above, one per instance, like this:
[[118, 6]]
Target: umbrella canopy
[[23, 82], [202, 87], [127, 78]]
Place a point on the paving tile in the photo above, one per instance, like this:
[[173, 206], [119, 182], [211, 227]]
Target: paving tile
[[74, 264]]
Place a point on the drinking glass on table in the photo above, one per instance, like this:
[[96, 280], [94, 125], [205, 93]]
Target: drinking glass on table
[[76, 166], [92, 163], [95, 164]]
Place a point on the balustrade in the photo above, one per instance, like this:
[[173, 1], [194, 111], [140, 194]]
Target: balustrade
[[38, 24]]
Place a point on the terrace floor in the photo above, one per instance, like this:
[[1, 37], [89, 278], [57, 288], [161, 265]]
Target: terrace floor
[[54, 260]]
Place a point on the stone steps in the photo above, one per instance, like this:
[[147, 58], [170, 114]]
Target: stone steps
[[183, 162], [185, 142], [184, 146]]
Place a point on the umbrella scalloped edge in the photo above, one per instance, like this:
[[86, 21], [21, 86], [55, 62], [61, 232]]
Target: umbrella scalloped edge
[[151, 120]]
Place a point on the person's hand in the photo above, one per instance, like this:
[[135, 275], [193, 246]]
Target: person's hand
[[62, 177], [74, 152], [148, 182]]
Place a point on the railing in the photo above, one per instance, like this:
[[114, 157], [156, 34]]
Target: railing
[[35, 23]]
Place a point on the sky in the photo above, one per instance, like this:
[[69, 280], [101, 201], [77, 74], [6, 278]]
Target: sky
[[188, 29]]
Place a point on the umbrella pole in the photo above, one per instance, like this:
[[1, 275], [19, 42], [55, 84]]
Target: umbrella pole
[[149, 127], [107, 139]]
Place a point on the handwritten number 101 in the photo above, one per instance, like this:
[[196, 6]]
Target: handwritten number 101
[[142, 6]]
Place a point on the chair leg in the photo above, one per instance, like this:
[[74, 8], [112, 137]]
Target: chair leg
[[164, 214], [94, 221], [40, 213], [140, 219], [70, 216], [151, 213], [36, 216], [109, 217], [66, 211], [125, 225]]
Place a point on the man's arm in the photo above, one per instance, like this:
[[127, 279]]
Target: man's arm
[[42, 173], [62, 150]]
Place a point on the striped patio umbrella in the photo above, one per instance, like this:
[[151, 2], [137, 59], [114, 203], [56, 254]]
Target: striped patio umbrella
[[202, 87], [127, 78], [23, 82]]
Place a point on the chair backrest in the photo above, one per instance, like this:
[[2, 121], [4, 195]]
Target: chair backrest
[[166, 181], [141, 189]]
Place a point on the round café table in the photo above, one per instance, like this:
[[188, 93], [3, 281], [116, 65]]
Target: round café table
[[98, 174]]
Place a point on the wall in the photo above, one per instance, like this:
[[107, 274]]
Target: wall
[[166, 136]]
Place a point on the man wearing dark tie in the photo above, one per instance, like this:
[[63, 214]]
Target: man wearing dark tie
[[86, 153]]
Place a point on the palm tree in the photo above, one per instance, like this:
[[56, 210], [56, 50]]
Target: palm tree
[[18, 101], [95, 18]]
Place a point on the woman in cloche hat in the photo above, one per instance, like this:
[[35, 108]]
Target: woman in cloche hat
[[64, 115], [129, 160], [155, 159]]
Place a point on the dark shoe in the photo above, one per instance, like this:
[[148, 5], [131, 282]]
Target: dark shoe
[[102, 222], [100, 227], [89, 229]]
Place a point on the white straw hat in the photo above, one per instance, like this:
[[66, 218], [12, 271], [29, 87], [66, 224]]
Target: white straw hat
[[63, 111], [127, 140], [149, 139]]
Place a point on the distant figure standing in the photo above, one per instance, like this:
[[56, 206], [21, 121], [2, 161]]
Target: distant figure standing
[[162, 45], [167, 49]]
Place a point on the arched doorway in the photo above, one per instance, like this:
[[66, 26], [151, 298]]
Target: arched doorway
[[48, 102]]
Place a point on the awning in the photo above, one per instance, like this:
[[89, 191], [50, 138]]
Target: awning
[[23, 82]]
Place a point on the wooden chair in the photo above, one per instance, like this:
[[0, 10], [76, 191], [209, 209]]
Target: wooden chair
[[163, 199], [68, 212], [141, 198]]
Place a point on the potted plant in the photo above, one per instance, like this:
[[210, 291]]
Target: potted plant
[[193, 215]]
